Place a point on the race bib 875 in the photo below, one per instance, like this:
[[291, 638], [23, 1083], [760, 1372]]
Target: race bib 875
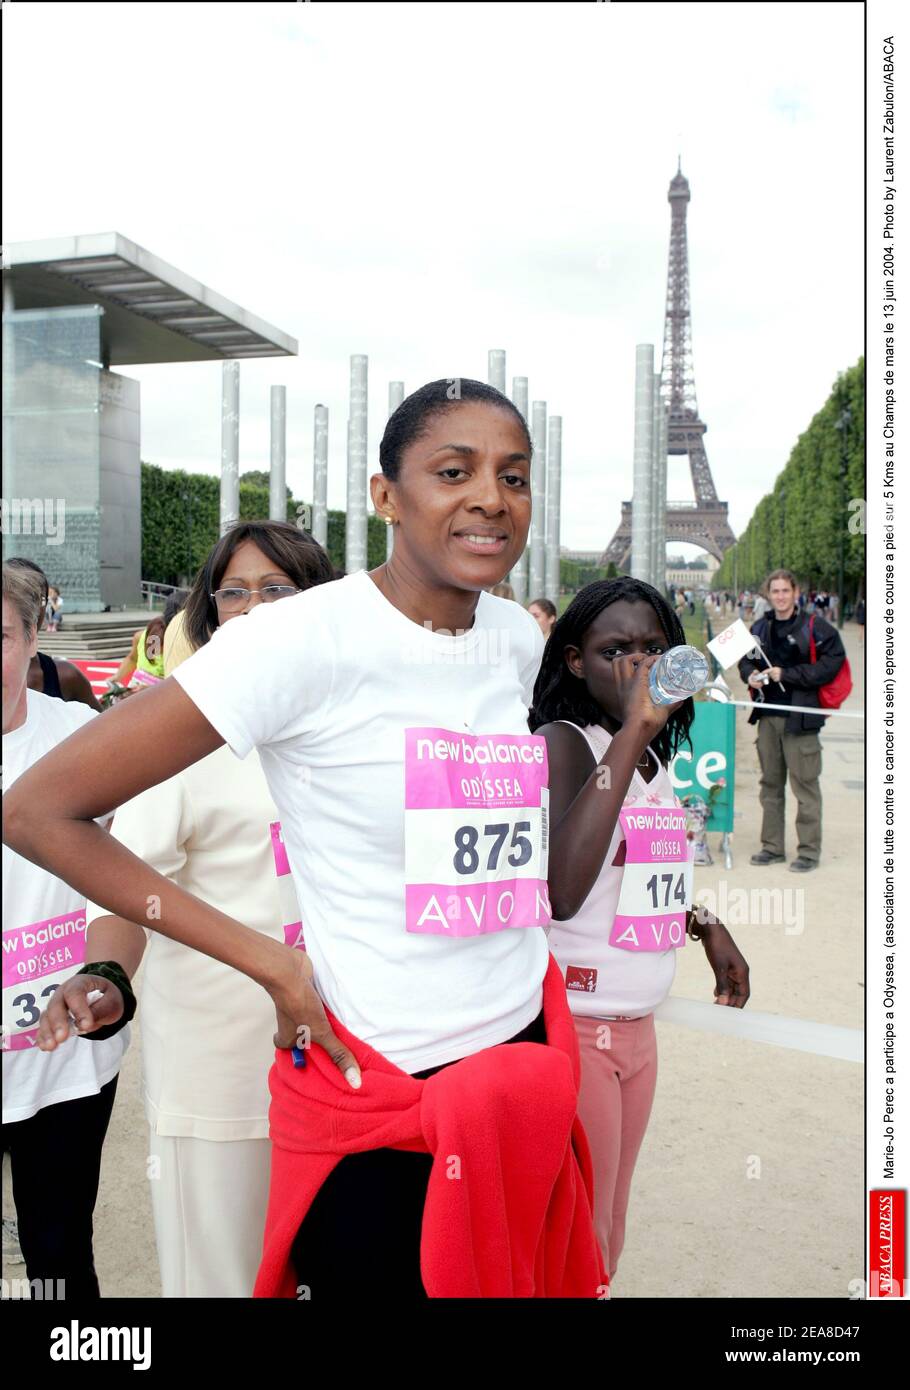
[[475, 832]]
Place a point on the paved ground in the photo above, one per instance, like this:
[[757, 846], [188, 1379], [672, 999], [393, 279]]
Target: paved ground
[[699, 1225]]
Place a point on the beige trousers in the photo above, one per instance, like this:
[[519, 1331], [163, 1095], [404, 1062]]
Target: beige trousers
[[208, 1203]]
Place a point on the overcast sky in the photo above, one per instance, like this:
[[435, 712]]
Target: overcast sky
[[422, 182]]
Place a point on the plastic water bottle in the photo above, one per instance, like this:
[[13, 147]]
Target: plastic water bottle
[[679, 673]]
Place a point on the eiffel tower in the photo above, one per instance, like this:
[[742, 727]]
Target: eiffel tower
[[704, 521]]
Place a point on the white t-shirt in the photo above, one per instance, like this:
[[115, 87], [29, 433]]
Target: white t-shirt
[[325, 684], [206, 1028], [44, 944], [604, 981]]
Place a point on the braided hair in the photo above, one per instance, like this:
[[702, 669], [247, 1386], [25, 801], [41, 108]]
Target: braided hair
[[558, 694]]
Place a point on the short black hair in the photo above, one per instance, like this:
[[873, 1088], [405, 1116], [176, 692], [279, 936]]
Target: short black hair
[[560, 695], [412, 417], [294, 551]]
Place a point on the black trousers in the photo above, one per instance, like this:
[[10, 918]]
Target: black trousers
[[364, 1223], [55, 1160]]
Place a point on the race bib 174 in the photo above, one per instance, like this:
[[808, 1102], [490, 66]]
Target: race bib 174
[[656, 891], [475, 832]]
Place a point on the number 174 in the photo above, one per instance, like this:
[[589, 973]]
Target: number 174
[[678, 892]]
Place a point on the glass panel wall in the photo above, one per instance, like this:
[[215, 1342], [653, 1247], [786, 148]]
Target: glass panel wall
[[51, 446]]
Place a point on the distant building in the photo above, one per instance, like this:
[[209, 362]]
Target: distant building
[[687, 576], [73, 309], [581, 557]]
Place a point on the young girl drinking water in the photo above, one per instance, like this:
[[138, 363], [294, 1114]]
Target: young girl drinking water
[[619, 872]]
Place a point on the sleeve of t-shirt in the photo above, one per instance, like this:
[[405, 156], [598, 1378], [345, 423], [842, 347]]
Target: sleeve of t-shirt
[[532, 658], [155, 826], [265, 676]]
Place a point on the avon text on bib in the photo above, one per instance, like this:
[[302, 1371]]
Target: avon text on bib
[[656, 891], [475, 832]]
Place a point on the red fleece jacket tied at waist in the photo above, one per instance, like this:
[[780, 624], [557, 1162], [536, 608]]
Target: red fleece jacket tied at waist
[[508, 1205]]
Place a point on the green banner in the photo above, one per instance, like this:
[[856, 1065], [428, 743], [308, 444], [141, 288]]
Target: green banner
[[712, 760]]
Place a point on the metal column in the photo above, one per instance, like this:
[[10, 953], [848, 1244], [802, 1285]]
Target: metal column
[[496, 369], [554, 483], [520, 395], [655, 467], [355, 548], [278, 506], [538, 499], [320, 474], [9, 385], [642, 462], [518, 577], [230, 446], [661, 491], [396, 396]]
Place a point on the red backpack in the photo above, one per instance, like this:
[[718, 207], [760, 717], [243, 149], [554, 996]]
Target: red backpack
[[832, 695]]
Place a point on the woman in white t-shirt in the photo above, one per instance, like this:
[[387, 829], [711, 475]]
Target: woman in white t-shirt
[[620, 866], [363, 697], [206, 1029], [56, 1108]]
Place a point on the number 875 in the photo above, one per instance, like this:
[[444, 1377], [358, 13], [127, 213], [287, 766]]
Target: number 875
[[467, 860]]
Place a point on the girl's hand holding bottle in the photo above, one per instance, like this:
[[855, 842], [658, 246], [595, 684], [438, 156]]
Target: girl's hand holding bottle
[[639, 712]]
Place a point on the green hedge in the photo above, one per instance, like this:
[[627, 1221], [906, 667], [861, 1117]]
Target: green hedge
[[180, 522], [575, 574], [799, 524]]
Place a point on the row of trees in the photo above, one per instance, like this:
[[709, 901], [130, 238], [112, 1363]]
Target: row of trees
[[575, 574], [816, 509], [181, 521]]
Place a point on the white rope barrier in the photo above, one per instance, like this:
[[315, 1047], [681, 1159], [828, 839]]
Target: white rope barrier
[[821, 1039], [795, 709]]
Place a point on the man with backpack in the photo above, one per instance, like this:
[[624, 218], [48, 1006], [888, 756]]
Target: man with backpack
[[806, 654]]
